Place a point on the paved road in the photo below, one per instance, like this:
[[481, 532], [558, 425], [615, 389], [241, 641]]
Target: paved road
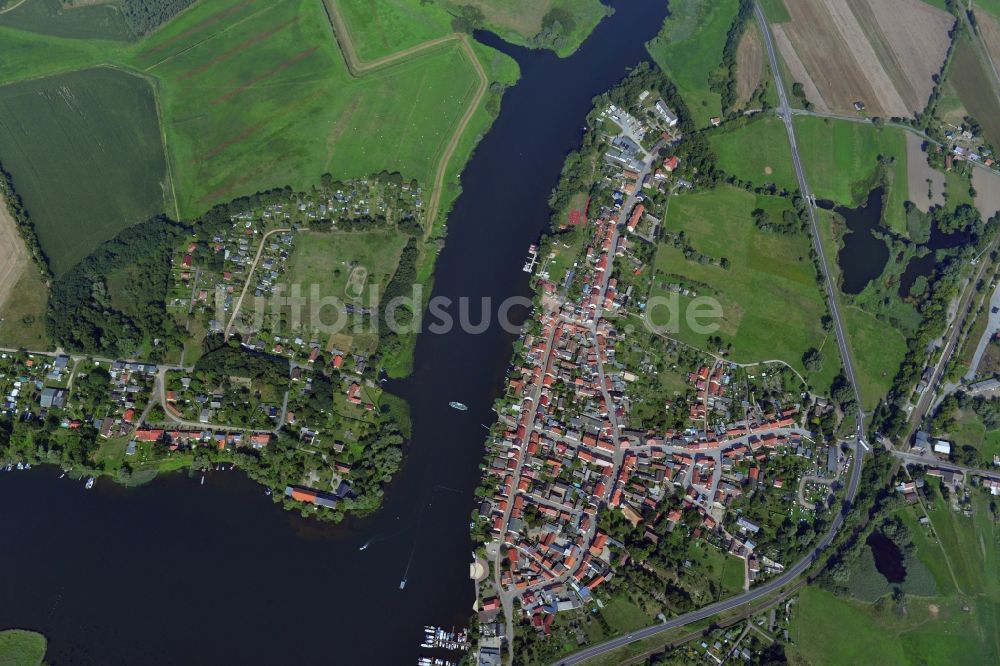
[[790, 574], [930, 461]]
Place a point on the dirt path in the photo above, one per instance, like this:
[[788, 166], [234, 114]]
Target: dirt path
[[246, 284], [359, 68], [13, 254]]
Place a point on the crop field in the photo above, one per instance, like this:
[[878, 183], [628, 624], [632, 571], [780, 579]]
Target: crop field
[[13, 255], [841, 161], [757, 152], [926, 185], [52, 17], [989, 30], [750, 64], [689, 47], [987, 185], [771, 304], [971, 83], [86, 156], [881, 52]]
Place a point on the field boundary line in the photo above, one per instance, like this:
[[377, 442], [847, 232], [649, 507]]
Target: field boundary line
[[357, 68]]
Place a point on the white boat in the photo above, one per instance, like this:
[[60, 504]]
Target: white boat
[[454, 404], [402, 584], [90, 483]]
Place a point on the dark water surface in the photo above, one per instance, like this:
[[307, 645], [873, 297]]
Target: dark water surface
[[889, 559], [182, 573], [863, 256]]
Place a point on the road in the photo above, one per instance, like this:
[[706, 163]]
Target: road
[[249, 279], [790, 574], [785, 113], [929, 460]]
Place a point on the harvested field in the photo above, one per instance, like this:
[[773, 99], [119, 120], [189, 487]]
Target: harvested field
[[926, 185], [749, 65], [989, 30], [987, 185], [797, 70], [13, 255], [882, 52]]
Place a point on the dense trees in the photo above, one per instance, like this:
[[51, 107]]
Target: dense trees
[[143, 16], [15, 206]]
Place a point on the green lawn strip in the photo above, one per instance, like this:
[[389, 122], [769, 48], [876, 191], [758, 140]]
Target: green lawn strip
[[689, 47]]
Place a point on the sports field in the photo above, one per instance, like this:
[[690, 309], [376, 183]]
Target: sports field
[[771, 303], [689, 47], [86, 156], [758, 153], [841, 160]]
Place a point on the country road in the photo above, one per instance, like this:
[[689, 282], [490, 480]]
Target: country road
[[790, 574]]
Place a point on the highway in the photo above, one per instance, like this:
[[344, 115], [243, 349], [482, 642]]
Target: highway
[[790, 574]]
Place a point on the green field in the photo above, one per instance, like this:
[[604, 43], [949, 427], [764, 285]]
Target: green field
[[86, 155], [381, 27], [233, 125], [970, 430], [52, 17], [841, 161], [328, 259], [689, 47], [521, 21], [758, 153], [771, 303], [878, 351], [21, 648]]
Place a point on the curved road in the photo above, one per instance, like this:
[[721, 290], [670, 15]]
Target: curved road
[[784, 111]]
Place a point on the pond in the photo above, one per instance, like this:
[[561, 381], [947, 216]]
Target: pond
[[863, 256], [889, 560]]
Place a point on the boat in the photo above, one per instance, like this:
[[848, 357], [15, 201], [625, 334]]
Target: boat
[[402, 584], [454, 404], [202, 479], [90, 483], [364, 547]]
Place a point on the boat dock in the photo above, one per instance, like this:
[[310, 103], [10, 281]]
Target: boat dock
[[529, 265]]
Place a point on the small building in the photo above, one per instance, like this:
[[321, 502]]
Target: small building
[[941, 446]]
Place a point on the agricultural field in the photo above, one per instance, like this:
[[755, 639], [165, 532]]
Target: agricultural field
[[926, 186], [689, 48], [58, 19], [972, 85], [884, 53], [841, 161], [751, 64], [86, 156], [988, 22], [987, 186], [765, 269], [757, 152]]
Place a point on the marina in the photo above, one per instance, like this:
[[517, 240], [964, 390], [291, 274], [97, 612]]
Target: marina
[[529, 265]]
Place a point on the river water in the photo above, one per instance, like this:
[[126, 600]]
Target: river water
[[178, 572]]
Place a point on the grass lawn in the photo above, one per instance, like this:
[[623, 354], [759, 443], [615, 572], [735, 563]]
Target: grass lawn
[[878, 351], [776, 11], [841, 158], [21, 648], [86, 155], [332, 260], [383, 27], [689, 47], [758, 153], [969, 430], [771, 303], [22, 320]]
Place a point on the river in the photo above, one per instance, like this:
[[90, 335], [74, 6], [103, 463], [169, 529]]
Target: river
[[178, 572]]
